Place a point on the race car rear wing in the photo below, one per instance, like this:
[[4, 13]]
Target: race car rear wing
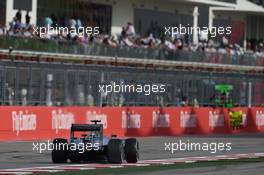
[[87, 127]]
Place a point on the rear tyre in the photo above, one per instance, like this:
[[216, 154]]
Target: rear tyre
[[59, 153], [75, 157], [115, 151], [132, 150]]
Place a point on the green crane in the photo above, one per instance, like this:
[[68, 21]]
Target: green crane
[[223, 98]]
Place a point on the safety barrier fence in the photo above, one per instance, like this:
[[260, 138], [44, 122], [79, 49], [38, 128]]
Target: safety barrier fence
[[41, 123], [70, 47]]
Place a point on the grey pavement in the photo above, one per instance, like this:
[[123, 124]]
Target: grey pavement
[[21, 154], [241, 169]]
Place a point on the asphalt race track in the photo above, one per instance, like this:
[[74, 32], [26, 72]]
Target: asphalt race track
[[244, 169], [21, 154]]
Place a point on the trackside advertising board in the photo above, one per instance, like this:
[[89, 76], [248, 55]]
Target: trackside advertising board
[[41, 123]]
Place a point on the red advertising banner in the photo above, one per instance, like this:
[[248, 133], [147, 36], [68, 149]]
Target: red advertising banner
[[43, 123], [257, 119], [35, 123]]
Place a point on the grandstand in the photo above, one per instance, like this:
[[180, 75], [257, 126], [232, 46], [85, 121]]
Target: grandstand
[[66, 70]]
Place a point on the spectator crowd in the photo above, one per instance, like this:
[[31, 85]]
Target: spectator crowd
[[128, 37]]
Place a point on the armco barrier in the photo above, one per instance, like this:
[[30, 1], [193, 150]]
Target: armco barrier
[[42, 123]]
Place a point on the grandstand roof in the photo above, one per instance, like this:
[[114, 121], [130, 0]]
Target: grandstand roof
[[239, 6], [212, 2], [243, 6]]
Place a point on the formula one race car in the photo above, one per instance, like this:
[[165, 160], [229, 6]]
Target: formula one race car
[[87, 143]]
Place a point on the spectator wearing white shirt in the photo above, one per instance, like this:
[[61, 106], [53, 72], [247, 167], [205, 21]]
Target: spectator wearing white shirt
[[130, 30]]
